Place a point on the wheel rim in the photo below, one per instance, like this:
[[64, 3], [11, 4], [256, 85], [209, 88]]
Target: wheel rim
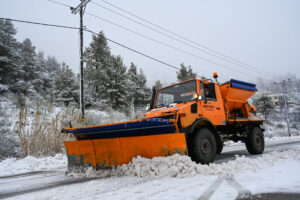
[[205, 147], [257, 141]]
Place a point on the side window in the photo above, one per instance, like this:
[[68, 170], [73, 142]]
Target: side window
[[209, 92]]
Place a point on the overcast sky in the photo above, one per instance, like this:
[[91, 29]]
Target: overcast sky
[[261, 33]]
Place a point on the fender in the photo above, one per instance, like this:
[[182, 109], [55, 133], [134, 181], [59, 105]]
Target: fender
[[205, 121], [208, 123]]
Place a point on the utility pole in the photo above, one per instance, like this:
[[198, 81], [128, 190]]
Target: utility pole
[[80, 8]]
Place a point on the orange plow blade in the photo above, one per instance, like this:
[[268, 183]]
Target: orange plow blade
[[108, 146], [109, 153]]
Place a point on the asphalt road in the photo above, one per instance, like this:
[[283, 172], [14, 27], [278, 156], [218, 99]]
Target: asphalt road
[[19, 184]]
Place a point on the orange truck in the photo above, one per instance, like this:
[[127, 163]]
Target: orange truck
[[193, 117]]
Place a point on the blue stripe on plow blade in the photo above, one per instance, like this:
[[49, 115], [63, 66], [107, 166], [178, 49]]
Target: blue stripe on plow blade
[[149, 127]]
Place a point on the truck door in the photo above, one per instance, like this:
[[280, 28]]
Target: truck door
[[212, 103]]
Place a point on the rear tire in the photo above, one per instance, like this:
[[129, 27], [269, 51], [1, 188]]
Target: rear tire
[[255, 143], [204, 147]]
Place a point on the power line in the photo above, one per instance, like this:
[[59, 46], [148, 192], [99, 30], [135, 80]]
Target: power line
[[219, 55], [108, 39], [162, 43], [133, 50], [168, 45], [38, 23]]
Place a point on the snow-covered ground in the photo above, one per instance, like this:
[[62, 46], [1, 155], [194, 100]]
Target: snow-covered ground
[[11, 166], [174, 177]]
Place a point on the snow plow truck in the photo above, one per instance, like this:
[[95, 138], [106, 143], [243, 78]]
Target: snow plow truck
[[193, 117]]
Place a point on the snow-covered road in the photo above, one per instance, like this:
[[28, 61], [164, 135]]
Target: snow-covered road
[[232, 175]]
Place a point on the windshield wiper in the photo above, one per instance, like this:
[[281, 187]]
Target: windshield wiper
[[179, 101], [161, 105]]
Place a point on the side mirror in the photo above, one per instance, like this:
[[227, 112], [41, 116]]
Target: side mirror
[[148, 107]]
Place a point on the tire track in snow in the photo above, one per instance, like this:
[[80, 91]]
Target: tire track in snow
[[208, 193], [22, 174], [30, 177], [211, 189], [47, 186]]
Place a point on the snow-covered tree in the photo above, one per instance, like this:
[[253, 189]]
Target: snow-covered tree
[[139, 91], [117, 89], [264, 105], [98, 60], [8, 53], [66, 89], [185, 73], [158, 84]]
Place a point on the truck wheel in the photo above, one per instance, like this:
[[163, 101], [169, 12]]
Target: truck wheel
[[204, 147], [255, 143], [220, 147]]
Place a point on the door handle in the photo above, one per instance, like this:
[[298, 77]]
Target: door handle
[[218, 108]]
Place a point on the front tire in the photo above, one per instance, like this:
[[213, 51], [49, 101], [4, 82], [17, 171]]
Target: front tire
[[255, 143], [204, 147], [220, 147]]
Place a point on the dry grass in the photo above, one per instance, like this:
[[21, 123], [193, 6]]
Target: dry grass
[[40, 133]]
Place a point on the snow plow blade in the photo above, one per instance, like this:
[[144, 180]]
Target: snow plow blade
[[108, 146]]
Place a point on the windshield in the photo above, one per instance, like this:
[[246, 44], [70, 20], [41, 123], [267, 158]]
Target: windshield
[[176, 94]]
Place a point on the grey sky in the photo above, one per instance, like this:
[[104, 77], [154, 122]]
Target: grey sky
[[261, 33]]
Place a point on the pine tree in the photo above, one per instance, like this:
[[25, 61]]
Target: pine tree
[[157, 84], [27, 68], [143, 93], [132, 82], [264, 105], [8, 53], [108, 83], [117, 86], [185, 73], [98, 59], [66, 88], [139, 92]]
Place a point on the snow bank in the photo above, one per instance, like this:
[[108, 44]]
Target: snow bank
[[182, 166], [12, 166]]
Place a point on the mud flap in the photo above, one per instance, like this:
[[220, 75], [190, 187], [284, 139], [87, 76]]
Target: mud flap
[[109, 153]]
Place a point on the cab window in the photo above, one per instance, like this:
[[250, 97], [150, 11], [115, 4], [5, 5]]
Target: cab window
[[209, 92], [179, 93]]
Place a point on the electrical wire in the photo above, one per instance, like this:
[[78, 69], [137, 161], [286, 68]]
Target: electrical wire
[[165, 44], [39, 23], [133, 50], [193, 45], [168, 45], [108, 39]]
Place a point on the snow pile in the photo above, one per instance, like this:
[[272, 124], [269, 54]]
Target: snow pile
[[182, 166], [12, 166]]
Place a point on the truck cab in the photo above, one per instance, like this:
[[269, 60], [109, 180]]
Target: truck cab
[[218, 112]]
